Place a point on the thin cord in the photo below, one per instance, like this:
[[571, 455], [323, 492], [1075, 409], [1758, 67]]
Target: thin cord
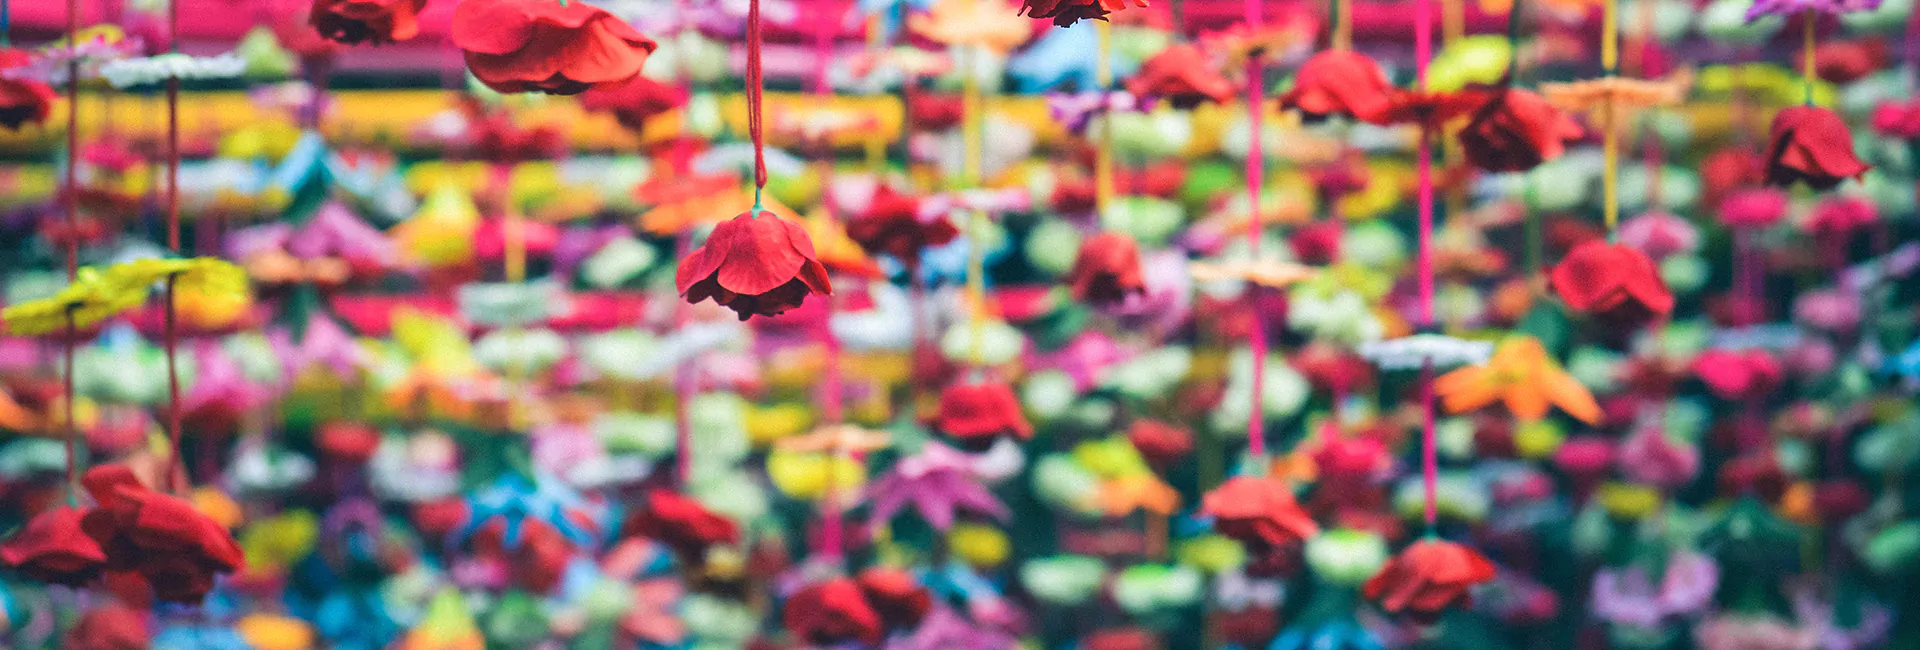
[[73, 429], [173, 244], [755, 92], [1808, 53], [71, 200], [1423, 54], [1256, 173]]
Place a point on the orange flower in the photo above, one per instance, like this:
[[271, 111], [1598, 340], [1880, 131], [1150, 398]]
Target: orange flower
[[990, 24], [1122, 496], [1267, 273], [836, 250], [1521, 376], [1590, 94]]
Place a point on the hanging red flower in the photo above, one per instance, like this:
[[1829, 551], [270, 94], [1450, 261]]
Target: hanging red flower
[[541, 559], [889, 223], [1161, 443], [1339, 82], [559, 48], [1428, 577], [978, 413], [1844, 62], [1516, 130], [899, 599], [22, 100], [160, 537], [1737, 375], [1067, 12], [1182, 75], [634, 101], [1107, 270], [366, 21], [682, 524], [53, 548], [754, 264], [1811, 145], [109, 627], [1262, 515], [1430, 110], [1898, 119], [1614, 283], [832, 612]]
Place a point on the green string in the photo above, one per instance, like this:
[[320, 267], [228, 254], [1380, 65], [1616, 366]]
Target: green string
[[1513, 42]]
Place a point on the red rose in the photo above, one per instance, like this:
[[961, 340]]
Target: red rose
[[1427, 578], [682, 524], [360, 21], [1753, 208], [755, 265], [1843, 62], [53, 548], [541, 559], [1756, 474], [1515, 131], [110, 627], [1811, 145], [1262, 515], [1316, 243], [1738, 375], [1161, 180], [1182, 75], [978, 413], [900, 600], [890, 224], [22, 101], [1161, 443], [1898, 119], [935, 111], [160, 537], [1614, 283], [517, 46], [1074, 195], [1431, 110], [1066, 12], [633, 101], [1339, 82], [832, 612], [351, 442], [1107, 270]]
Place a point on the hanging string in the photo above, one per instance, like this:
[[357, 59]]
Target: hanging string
[[1103, 148], [1342, 11], [755, 91], [973, 129], [74, 449], [831, 395], [71, 201], [1808, 52], [172, 334], [1609, 116], [1429, 463], [1256, 173]]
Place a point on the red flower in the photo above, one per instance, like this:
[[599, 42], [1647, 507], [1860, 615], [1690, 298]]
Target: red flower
[[22, 100], [832, 612], [1753, 208], [978, 413], [517, 46], [1898, 119], [633, 101], [1515, 131], [1317, 243], [1756, 474], [889, 224], [351, 442], [1843, 62], [1123, 638], [158, 536], [361, 21], [899, 599], [1184, 76], [542, 558], [110, 627], [1431, 110], [935, 111], [1738, 375], [1616, 284], [1427, 578], [1066, 12], [682, 524], [754, 265], [1262, 515], [1161, 443], [1811, 145], [1339, 82], [53, 548], [1107, 270]]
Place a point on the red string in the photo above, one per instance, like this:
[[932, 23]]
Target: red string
[[179, 474], [73, 429], [1256, 170], [1429, 463], [755, 90], [72, 198]]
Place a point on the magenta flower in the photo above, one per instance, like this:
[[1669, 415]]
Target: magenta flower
[[1649, 456], [1628, 596], [1794, 7], [325, 344], [1660, 234], [938, 482], [945, 628]]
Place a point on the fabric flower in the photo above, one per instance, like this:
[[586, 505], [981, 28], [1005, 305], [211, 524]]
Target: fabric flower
[[1524, 378], [1659, 234], [109, 627], [1413, 352], [1182, 75], [1067, 12], [1789, 8], [1428, 577], [1431, 110], [1898, 119], [682, 524], [1809, 144], [362, 21], [53, 548], [901, 601], [937, 482], [1515, 131], [23, 100], [1107, 270], [754, 264], [1738, 375], [977, 413], [1649, 456], [1339, 82], [1262, 514], [1618, 285], [559, 48], [160, 537], [634, 101], [832, 612]]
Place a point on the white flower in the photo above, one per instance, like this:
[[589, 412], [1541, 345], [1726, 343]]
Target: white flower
[[127, 73], [508, 304], [259, 469], [888, 326], [1283, 392], [1411, 352], [520, 351], [1342, 317]]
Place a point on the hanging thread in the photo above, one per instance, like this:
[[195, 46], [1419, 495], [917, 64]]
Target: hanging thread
[[1429, 463], [1256, 172], [755, 91], [1809, 54]]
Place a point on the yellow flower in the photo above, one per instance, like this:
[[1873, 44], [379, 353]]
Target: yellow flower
[[806, 475], [280, 541], [771, 423], [840, 438], [1266, 272], [1521, 376], [441, 233], [206, 276], [269, 632], [990, 24], [447, 626], [1628, 500], [978, 544], [1590, 94], [1387, 182], [90, 299], [1537, 440]]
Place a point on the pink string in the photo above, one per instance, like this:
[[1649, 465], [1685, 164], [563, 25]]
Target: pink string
[[1430, 466], [831, 394], [1256, 168], [683, 384]]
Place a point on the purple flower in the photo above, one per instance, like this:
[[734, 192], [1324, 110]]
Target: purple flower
[[1792, 7], [324, 344], [335, 232], [1649, 456], [1086, 358], [1628, 596], [945, 628], [937, 482], [1871, 629], [218, 380], [1077, 110]]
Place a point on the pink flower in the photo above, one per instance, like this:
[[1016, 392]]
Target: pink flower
[[1660, 234], [1841, 216], [1831, 310], [1753, 208], [1736, 632], [1649, 456]]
